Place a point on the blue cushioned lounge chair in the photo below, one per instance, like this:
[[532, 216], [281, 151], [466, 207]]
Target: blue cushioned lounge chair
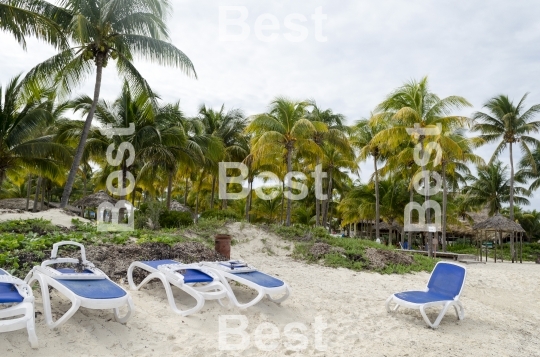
[[243, 273], [193, 279], [19, 313], [90, 288], [443, 289]]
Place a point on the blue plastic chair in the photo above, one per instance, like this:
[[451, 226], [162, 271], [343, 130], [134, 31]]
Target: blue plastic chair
[[444, 288]]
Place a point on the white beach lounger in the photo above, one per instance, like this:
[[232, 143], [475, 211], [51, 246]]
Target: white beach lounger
[[90, 288], [246, 274], [17, 295], [443, 289], [193, 279]]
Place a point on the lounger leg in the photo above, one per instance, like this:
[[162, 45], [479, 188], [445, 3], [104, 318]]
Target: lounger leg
[[124, 319], [439, 318], [460, 311], [31, 328], [388, 301], [75, 303], [281, 299]]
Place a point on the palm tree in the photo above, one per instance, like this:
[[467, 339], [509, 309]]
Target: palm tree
[[509, 124], [22, 125], [334, 134], [24, 18], [364, 132], [457, 151], [334, 159], [528, 171], [284, 129], [227, 127], [414, 106], [491, 188], [102, 31]]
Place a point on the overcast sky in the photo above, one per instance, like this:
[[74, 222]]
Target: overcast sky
[[475, 49]]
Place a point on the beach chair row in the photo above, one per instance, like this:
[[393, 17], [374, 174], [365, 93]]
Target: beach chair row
[[87, 286]]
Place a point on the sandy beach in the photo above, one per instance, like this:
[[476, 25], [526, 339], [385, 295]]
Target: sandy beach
[[501, 306]]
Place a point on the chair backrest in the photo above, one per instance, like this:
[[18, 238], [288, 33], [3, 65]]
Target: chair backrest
[[447, 279]]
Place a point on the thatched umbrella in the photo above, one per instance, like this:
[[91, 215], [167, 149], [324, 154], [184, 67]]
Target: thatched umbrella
[[384, 226], [499, 223], [94, 200]]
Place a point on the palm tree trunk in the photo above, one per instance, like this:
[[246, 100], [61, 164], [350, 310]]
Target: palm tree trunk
[[390, 236], [84, 135], [197, 209], [326, 212], [317, 202], [169, 191], [377, 208], [42, 197], [511, 183], [289, 169], [84, 192], [282, 202], [444, 204], [38, 187], [511, 197], [411, 199], [213, 191], [186, 192], [249, 198], [28, 189]]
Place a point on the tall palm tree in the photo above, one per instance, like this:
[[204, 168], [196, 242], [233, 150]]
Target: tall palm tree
[[509, 124], [364, 132], [491, 188], [22, 125], [414, 105], [101, 31], [334, 134], [284, 129], [227, 127], [335, 158], [457, 152], [24, 18]]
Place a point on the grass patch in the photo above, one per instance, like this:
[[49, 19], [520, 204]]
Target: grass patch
[[315, 245]]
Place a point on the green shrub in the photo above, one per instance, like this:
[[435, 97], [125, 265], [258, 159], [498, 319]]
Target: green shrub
[[174, 219], [220, 214]]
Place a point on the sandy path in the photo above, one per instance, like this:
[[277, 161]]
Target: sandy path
[[501, 301]]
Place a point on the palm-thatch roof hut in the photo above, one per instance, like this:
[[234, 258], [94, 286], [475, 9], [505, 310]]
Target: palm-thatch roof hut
[[500, 224], [95, 199], [13, 203], [177, 206]]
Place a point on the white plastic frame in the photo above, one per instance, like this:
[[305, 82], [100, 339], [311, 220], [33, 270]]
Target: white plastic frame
[[168, 275], [41, 275], [446, 304], [25, 308], [262, 291]]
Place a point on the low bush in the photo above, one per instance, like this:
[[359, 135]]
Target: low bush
[[175, 219], [220, 214]]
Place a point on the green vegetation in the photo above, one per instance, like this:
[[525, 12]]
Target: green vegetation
[[350, 252], [24, 244]]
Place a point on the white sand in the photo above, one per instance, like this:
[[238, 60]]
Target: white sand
[[57, 216], [502, 307]]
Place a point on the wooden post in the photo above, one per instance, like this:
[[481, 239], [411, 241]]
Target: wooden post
[[495, 248], [486, 249], [521, 248]]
